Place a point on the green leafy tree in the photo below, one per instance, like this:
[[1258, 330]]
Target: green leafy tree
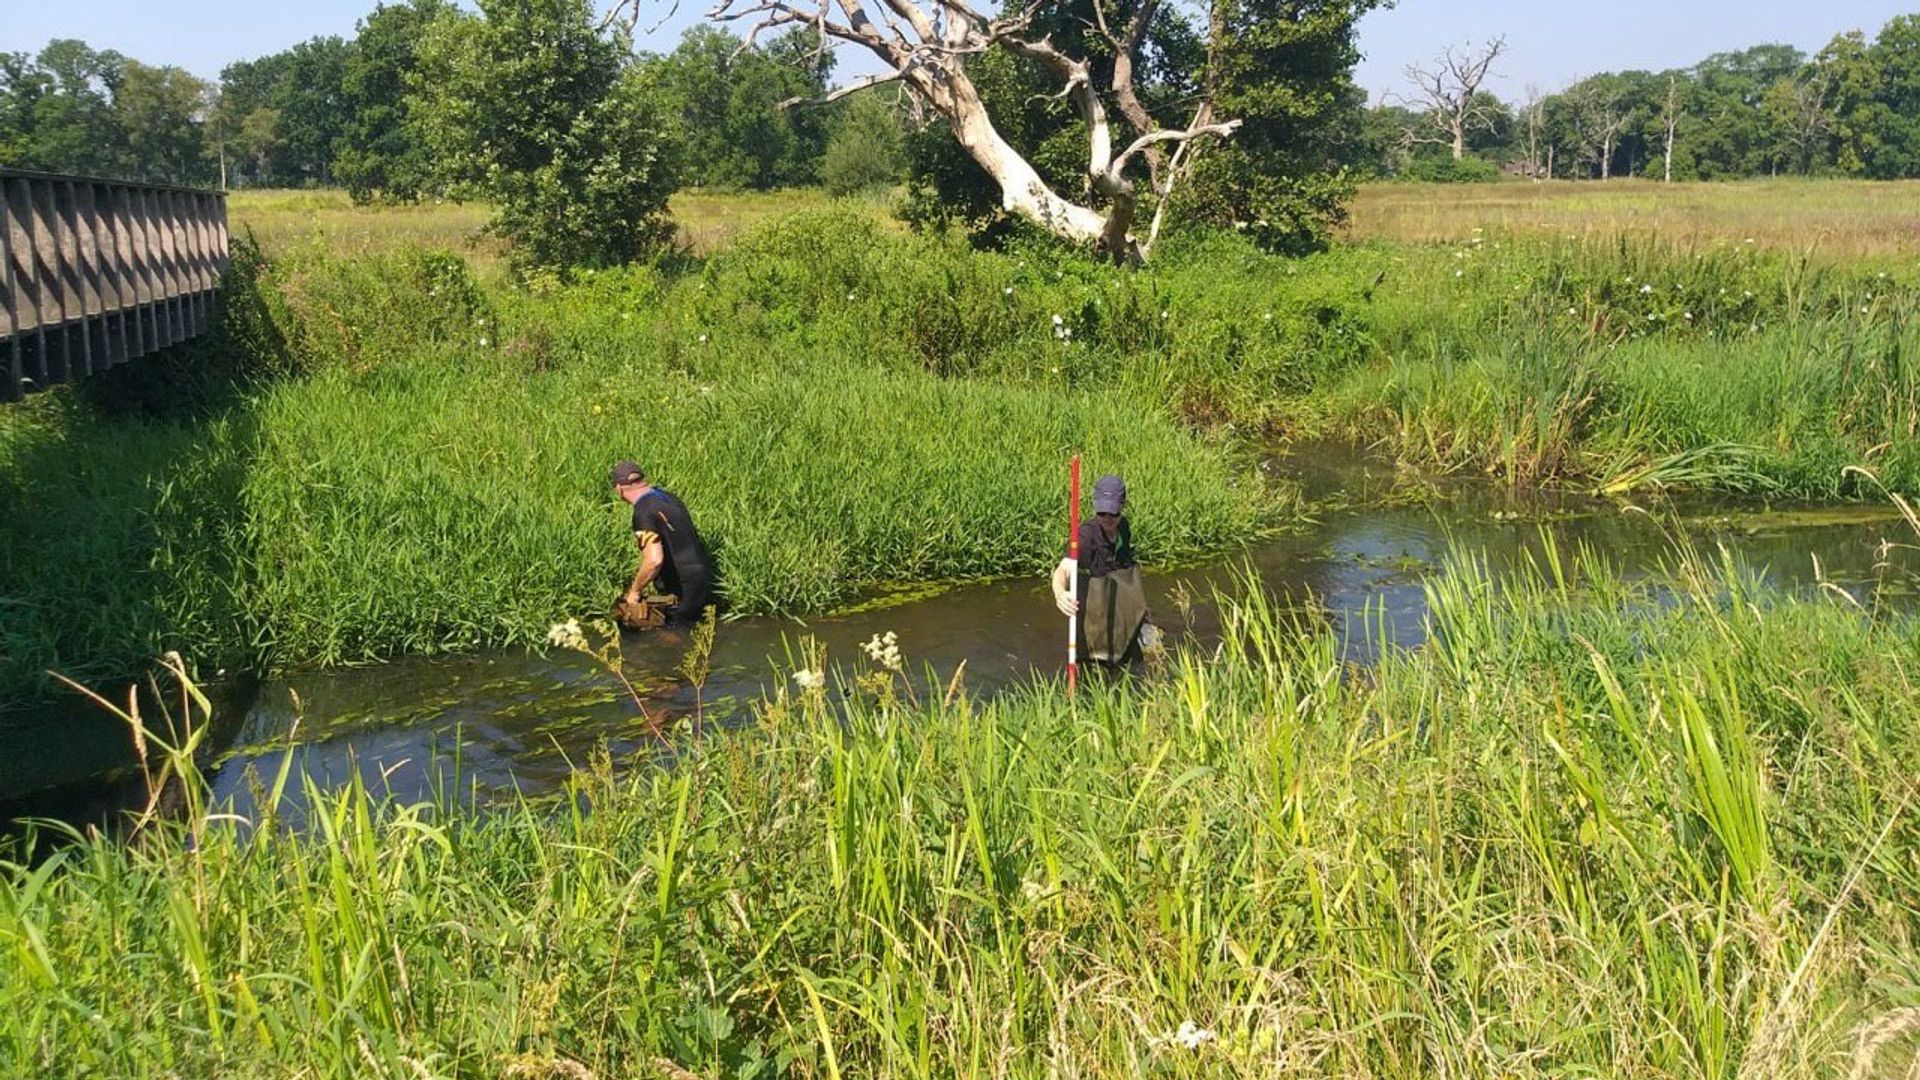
[[22, 85], [73, 127], [730, 101], [866, 150], [1855, 124], [1735, 136], [532, 107], [162, 113], [1896, 110], [379, 152], [244, 127], [312, 105], [1285, 68]]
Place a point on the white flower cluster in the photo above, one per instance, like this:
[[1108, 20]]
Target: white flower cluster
[[809, 680], [568, 635], [1061, 331], [884, 649], [1191, 1036]]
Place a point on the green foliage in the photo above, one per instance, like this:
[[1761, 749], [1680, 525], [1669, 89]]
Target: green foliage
[[159, 109], [729, 104], [380, 153], [1580, 831], [73, 109], [867, 149], [529, 106], [1284, 68], [1437, 169]]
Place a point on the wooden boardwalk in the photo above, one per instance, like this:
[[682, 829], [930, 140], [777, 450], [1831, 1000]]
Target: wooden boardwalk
[[95, 273]]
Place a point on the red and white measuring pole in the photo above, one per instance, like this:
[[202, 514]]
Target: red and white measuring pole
[[1073, 575]]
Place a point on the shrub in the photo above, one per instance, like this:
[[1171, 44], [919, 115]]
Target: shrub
[[1446, 170]]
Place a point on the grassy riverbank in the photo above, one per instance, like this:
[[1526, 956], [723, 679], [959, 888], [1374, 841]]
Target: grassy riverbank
[[414, 461], [1574, 834]]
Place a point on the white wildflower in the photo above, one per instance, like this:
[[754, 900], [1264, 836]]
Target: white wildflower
[[884, 649], [568, 635], [1008, 291], [1164, 314], [1571, 311], [1057, 320], [483, 342], [1459, 273], [1189, 1036], [809, 680], [1268, 317], [1645, 290], [703, 339], [1689, 316], [849, 294]]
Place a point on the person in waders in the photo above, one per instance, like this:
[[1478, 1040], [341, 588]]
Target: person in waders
[[673, 558], [1113, 604]]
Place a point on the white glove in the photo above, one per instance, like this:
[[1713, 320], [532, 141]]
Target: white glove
[[1063, 588]]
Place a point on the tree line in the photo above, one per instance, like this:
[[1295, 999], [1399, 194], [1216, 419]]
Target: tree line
[[1851, 109], [360, 112], [1097, 121]]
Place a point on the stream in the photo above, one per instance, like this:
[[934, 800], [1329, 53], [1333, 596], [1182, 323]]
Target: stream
[[493, 724]]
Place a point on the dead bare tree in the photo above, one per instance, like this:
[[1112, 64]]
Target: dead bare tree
[[1598, 119], [1446, 91], [1672, 118], [1799, 110], [926, 46], [1535, 111]]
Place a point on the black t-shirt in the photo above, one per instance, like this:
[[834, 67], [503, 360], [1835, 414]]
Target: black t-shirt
[[1100, 554], [686, 571]]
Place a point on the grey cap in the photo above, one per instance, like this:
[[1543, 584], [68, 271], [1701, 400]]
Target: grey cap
[[1109, 494], [626, 473]]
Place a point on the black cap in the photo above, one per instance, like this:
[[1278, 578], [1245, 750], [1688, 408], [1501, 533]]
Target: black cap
[[627, 473], [1109, 494]]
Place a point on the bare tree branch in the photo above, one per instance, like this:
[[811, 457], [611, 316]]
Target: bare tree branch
[[851, 88], [1446, 91]]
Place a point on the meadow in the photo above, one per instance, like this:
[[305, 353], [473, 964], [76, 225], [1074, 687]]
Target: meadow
[[1578, 833], [1834, 220]]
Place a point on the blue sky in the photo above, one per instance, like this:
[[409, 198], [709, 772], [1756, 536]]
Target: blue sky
[[1551, 43]]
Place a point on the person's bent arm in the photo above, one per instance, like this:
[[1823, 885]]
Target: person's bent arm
[[652, 554], [1063, 588]]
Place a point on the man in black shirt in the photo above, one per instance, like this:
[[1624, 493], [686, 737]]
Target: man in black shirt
[[672, 556]]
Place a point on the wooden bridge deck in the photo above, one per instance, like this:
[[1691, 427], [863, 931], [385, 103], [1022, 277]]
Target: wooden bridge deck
[[95, 273]]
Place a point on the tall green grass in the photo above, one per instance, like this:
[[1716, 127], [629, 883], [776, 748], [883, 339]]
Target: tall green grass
[[1569, 836], [437, 507]]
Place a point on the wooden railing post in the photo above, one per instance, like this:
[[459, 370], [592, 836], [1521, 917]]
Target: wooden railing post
[[9, 302], [99, 272]]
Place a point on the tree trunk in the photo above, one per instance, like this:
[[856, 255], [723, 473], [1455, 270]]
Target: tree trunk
[[1550, 149], [1459, 139], [1022, 191]]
